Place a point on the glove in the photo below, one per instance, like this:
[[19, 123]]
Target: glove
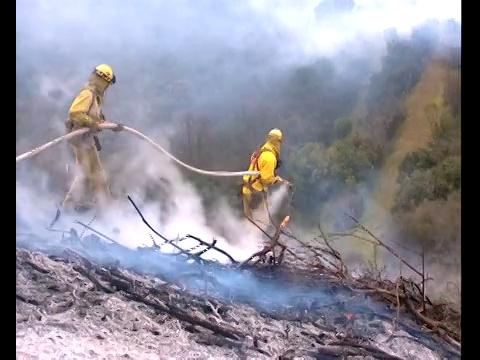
[[118, 128]]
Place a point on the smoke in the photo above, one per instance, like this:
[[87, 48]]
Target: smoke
[[171, 56], [329, 29], [219, 46], [183, 213]]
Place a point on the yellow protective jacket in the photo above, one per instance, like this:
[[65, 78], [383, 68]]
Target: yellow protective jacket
[[86, 109], [265, 163]]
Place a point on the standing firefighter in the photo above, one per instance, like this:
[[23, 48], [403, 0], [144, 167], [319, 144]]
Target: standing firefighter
[[90, 187], [265, 160]]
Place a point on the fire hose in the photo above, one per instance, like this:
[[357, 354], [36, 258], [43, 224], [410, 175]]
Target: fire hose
[[137, 133]]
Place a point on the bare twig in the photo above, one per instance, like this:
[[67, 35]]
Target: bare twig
[[269, 247], [313, 250], [160, 235], [212, 246], [379, 354], [384, 245], [146, 222], [398, 301], [432, 324], [259, 228], [423, 277], [89, 224], [350, 234], [96, 231], [343, 269]]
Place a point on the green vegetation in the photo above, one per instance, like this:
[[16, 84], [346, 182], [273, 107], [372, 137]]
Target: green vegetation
[[329, 150], [343, 127], [428, 201]]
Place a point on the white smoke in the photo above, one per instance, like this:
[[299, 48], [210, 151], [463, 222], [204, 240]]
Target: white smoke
[[58, 42], [368, 20], [146, 165]]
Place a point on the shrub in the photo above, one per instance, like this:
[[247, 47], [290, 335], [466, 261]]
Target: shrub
[[306, 169], [393, 122], [351, 158], [447, 136], [447, 176], [343, 128], [420, 185], [421, 159], [436, 224]]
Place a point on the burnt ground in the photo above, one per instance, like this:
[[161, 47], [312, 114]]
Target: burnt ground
[[83, 297]]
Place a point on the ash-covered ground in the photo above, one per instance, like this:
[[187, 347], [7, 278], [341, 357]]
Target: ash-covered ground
[[84, 298]]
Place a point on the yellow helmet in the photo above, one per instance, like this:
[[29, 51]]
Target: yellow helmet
[[275, 134], [106, 73]]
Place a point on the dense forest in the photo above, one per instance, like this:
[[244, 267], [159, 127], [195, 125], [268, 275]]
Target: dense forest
[[342, 116]]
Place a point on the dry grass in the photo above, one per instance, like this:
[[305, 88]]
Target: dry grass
[[414, 133]]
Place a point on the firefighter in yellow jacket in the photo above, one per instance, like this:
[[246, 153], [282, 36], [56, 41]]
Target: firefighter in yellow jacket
[[90, 187], [265, 160]]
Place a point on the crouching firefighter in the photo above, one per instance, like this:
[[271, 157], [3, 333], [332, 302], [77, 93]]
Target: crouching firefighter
[[265, 160], [90, 187]]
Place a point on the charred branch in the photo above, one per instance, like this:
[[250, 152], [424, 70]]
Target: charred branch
[[208, 308]]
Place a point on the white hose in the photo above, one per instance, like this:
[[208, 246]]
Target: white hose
[[137, 133]]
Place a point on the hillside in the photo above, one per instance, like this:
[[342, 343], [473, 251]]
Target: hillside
[[413, 134]]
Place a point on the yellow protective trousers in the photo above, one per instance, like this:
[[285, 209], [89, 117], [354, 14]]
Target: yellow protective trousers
[[90, 186], [252, 199]]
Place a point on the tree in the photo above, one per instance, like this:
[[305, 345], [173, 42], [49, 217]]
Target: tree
[[306, 167], [343, 127], [351, 158], [437, 225], [421, 159]]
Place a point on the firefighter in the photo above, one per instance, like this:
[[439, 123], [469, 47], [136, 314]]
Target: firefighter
[[265, 160], [90, 187]]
